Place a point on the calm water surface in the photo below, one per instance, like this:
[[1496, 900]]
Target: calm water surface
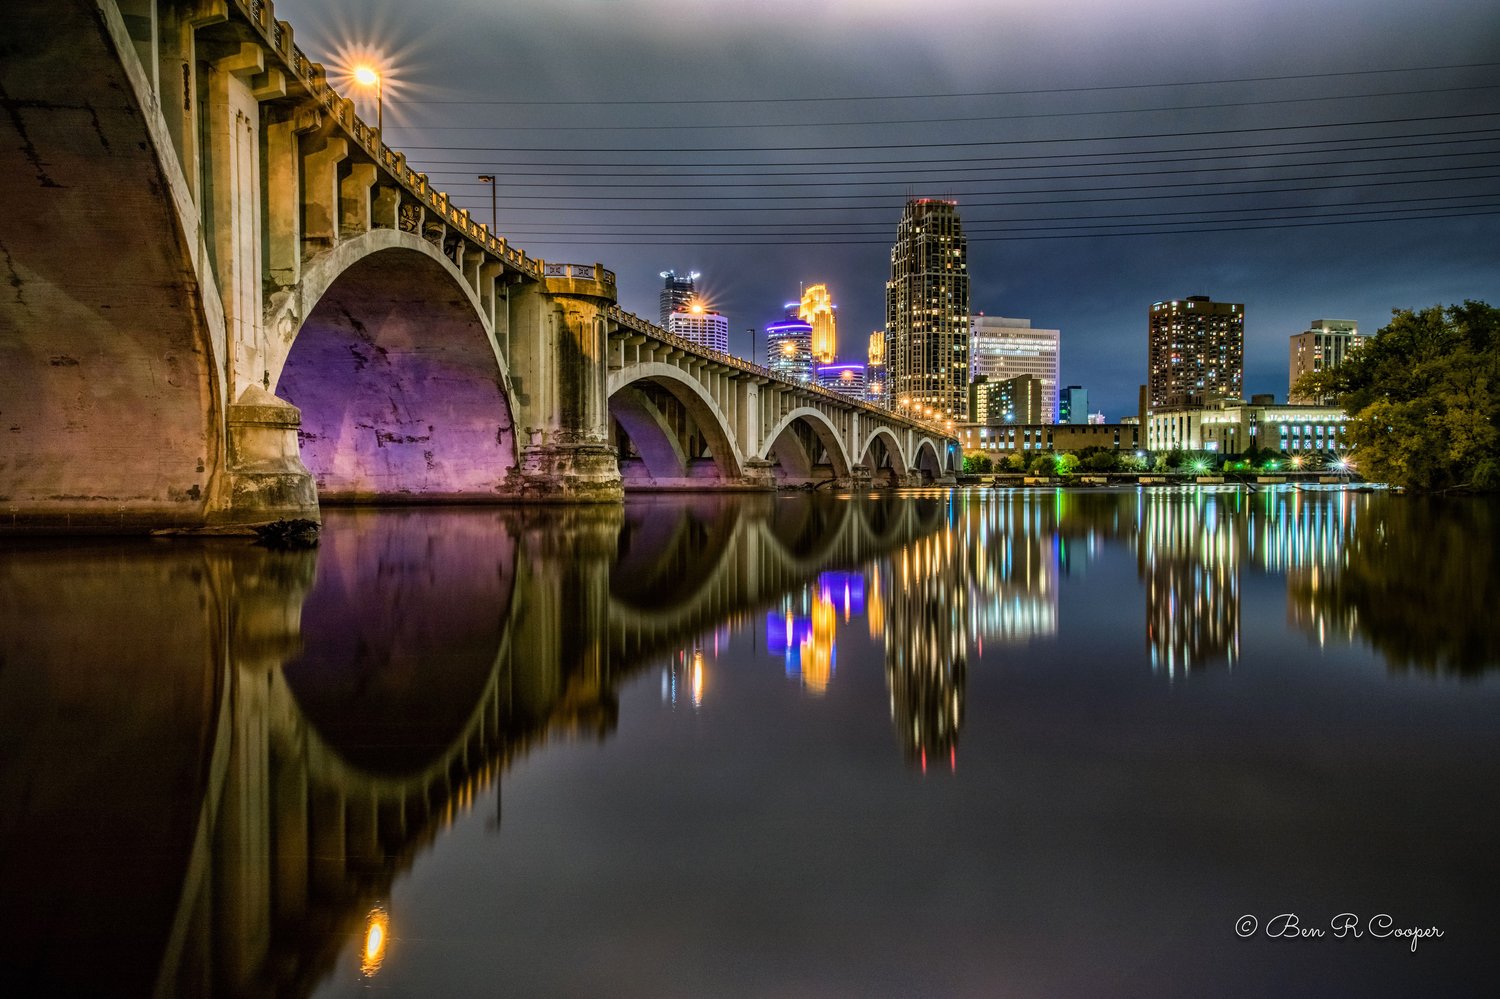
[[948, 744]]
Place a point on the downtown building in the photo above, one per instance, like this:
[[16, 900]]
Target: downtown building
[[1323, 346], [845, 379], [877, 384], [704, 327], [1001, 348], [789, 347], [677, 293], [927, 311], [818, 309], [1010, 400], [1195, 352]]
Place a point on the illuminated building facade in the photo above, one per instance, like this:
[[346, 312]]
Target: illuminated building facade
[[789, 347], [677, 293], [1231, 427], [1321, 347], [818, 309], [845, 379], [877, 385], [1196, 351], [704, 327], [1001, 348], [1060, 437], [1010, 400], [927, 311]]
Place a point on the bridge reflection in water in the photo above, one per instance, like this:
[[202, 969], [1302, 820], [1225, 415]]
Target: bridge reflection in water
[[216, 759], [221, 756]]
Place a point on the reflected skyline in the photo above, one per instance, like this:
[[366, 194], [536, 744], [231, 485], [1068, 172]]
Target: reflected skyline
[[319, 720]]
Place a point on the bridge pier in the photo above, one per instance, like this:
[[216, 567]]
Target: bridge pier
[[558, 373], [267, 479]]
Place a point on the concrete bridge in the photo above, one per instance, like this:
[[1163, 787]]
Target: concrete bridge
[[218, 809], [228, 299]]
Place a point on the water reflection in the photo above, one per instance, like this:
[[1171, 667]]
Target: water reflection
[[277, 736]]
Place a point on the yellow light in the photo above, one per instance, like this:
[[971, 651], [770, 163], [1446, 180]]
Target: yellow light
[[366, 76], [377, 935], [697, 308]]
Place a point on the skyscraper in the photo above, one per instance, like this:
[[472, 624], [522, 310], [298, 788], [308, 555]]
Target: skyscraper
[[704, 327], [1324, 345], [845, 379], [877, 388], [1196, 352], [927, 311], [819, 310], [677, 292], [1002, 348], [789, 347]]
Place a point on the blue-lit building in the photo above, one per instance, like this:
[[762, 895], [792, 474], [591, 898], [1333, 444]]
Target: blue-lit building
[[845, 379], [789, 347]]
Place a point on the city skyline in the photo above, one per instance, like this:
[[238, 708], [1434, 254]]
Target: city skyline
[[1306, 73]]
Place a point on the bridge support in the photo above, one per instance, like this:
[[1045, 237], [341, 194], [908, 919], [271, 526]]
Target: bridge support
[[267, 480], [559, 374]]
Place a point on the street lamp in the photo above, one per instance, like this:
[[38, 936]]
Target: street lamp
[[366, 76], [489, 178]]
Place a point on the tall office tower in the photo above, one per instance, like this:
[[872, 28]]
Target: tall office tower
[[704, 327], [818, 309], [1196, 352], [1010, 400], [876, 384], [1324, 345], [927, 311], [789, 347], [1001, 348], [1073, 405], [677, 293]]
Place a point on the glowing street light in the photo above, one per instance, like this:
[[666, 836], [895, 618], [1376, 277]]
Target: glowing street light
[[366, 76]]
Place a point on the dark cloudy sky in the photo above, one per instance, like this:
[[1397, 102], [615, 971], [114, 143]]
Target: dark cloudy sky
[[767, 143]]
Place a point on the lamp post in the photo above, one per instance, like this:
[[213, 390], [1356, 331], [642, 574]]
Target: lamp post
[[366, 76], [489, 178]]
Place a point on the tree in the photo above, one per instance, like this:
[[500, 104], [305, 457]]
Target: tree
[[1015, 462], [978, 463], [1423, 397]]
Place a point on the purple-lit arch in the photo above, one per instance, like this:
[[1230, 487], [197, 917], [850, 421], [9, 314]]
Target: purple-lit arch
[[662, 455], [403, 395], [783, 446]]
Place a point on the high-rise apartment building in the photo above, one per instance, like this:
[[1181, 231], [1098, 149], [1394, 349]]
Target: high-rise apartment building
[[1324, 345], [818, 309], [1001, 348], [1196, 352], [704, 327], [677, 293], [927, 311], [789, 347], [1073, 405]]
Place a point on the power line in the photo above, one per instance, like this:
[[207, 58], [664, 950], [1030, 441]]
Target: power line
[[965, 94], [884, 226], [988, 204], [675, 187], [957, 145], [993, 239], [970, 159], [933, 121]]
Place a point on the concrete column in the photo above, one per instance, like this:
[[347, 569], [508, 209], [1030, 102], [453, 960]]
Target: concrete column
[[267, 480], [320, 192], [385, 212], [354, 199], [559, 367]]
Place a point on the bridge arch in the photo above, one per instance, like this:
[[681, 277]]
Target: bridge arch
[[642, 414], [388, 353], [928, 461], [791, 452], [883, 442]]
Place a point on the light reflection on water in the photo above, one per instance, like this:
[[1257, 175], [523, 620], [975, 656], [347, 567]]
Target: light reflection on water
[[1128, 713]]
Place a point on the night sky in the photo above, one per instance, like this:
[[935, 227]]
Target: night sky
[[771, 143]]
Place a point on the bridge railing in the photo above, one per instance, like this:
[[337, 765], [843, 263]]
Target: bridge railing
[[631, 321], [278, 36]]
